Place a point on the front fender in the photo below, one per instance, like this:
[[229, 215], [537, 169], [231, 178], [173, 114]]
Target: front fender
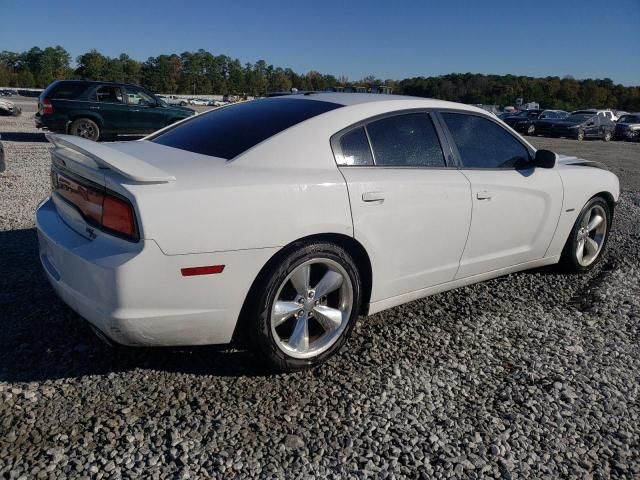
[[580, 183]]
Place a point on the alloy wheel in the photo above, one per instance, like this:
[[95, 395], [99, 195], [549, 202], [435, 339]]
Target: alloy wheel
[[311, 308], [85, 130], [591, 235]]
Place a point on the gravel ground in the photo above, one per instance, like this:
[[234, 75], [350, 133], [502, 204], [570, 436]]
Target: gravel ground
[[534, 375]]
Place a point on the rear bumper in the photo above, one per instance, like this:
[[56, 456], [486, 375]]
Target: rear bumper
[[135, 294], [51, 122]]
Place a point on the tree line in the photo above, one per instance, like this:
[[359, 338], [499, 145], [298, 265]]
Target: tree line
[[202, 72]]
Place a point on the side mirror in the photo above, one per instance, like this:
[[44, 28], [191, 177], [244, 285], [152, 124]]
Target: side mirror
[[545, 159]]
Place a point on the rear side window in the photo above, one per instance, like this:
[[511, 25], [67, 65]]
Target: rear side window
[[67, 90], [405, 141], [483, 144], [355, 148], [227, 132]]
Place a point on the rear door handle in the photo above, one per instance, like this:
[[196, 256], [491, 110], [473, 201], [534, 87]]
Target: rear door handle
[[375, 198], [483, 195]]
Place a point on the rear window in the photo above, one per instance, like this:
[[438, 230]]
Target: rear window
[[227, 132], [66, 90]]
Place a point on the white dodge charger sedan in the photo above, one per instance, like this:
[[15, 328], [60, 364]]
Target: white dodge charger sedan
[[275, 223]]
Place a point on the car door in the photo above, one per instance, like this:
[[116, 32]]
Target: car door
[[145, 114], [410, 208], [515, 206], [592, 126], [108, 103]]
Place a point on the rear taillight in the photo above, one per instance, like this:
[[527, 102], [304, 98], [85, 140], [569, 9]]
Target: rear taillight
[[117, 215], [97, 206], [46, 107]]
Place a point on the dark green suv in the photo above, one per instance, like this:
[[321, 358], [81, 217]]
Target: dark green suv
[[96, 110]]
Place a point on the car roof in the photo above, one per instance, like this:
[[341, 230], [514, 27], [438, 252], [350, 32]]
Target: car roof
[[348, 99]]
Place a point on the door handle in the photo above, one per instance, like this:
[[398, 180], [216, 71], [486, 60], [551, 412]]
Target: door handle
[[135, 109], [375, 198], [483, 195], [94, 108]]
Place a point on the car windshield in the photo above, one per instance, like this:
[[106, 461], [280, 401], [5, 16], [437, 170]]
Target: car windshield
[[579, 117], [629, 119]]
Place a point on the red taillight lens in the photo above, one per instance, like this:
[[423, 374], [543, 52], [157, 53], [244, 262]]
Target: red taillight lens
[[46, 107], [98, 206], [117, 215]]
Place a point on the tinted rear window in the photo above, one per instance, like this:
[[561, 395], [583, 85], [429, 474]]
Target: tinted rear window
[[229, 131], [66, 90]]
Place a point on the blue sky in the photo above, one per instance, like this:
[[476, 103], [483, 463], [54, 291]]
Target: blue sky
[[388, 39]]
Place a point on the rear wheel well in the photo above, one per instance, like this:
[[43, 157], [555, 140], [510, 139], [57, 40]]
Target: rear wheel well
[[351, 245]]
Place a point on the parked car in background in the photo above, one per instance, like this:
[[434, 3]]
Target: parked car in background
[[8, 108], [173, 100], [96, 110], [275, 223], [628, 127], [578, 126], [606, 113], [525, 121], [199, 101]]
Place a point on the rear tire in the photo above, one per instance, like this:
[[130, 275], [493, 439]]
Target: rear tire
[[307, 306], [607, 136], [580, 136], [85, 128], [588, 238], [531, 129]]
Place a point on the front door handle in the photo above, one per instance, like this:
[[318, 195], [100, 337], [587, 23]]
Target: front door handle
[[483, 195], [375, 198]]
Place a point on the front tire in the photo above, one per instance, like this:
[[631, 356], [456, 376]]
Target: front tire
[[85, 128], [588, 238], [531, 130], [307, 306], [607, 136]]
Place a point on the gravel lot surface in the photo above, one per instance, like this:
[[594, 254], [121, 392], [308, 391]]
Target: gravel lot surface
[[535, 375]]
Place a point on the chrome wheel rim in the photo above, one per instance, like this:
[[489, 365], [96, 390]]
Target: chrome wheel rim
[[531, 129], [85, 130], [591, 235], [311, 308]]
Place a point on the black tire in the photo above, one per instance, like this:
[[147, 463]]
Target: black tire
[[85, 128], [607, 136], [531, 129], [569, 259], [183, 103], [259, 315], [580, 135]]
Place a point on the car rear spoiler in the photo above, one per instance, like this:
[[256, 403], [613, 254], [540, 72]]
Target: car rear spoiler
[[104, 156]]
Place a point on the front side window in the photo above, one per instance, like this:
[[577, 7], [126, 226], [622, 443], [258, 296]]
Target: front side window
[[483, 144], [405, 141], [109, 94], [136, 96], [355, 148]]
